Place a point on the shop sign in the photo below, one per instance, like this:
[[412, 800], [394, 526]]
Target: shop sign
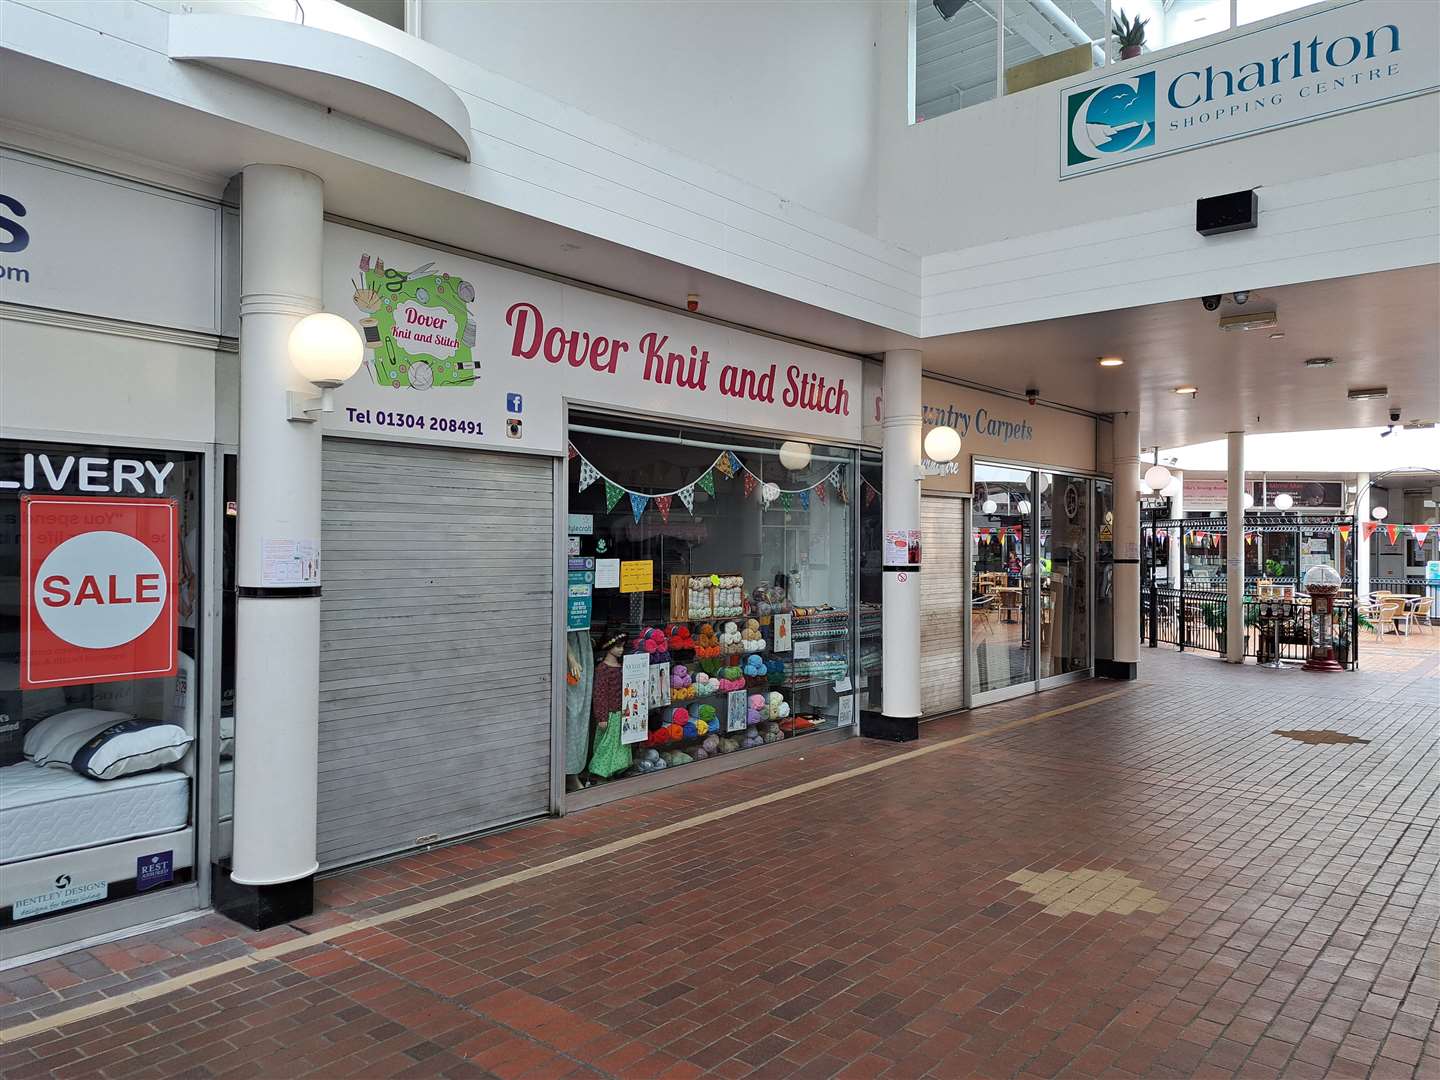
[[462, 352], [580, 524], [579, 599], [155, 869], [98, 590], [1347, 57], [99, 475], [67, 893], [1202, 495]]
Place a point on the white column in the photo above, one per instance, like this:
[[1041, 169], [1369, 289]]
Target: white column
[[1177, 540], [1358, 538], [277, 651], [900, 619], [1127, 544], [1235, 547]]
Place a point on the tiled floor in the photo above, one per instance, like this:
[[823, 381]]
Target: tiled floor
[[1151, 884]]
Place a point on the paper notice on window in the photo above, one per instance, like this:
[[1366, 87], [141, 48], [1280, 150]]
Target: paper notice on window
[[637, 576], [802, 650], [847, 710], [284, 561], [635, 698], [735, 711], [607, 573]]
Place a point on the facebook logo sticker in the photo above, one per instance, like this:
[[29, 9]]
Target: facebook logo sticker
[[513, 403]]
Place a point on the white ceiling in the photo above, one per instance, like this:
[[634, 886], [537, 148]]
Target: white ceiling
[[1381, 329]]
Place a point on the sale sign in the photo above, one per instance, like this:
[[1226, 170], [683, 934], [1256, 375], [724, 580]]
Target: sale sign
[[98, 589]]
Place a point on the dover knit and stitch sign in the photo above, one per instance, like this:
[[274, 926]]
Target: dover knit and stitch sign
[[98, 590], [463, 352], [1343, 58]]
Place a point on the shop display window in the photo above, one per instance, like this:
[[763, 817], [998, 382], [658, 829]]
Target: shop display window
[[711, 605], [100, 647]]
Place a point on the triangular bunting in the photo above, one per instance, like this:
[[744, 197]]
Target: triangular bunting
[[1367, 529], [663, 502], [1345, 534], [750, 482], [735, 465], [785, 500], [588, 474], [723, 465], [804, 500], [869, 494], [820, 490], [613, 492], [706, 484], [687, 496], [1392, 531], [637, 504], [573, 453], [1420, 531]]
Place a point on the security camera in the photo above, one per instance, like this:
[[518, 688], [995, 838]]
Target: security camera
[[1242, 296], [1032, 395], [1211, 302], [1394, 416]]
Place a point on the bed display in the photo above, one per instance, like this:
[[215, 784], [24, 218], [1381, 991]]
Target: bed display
[[49, 811]]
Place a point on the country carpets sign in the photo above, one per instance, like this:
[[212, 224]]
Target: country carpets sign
[[1346, 57]]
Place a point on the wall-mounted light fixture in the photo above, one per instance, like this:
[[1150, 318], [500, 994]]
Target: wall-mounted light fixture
[[326, 350]]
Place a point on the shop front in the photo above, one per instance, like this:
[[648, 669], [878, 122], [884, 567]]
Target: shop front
[[1016, 548], [575, 546], [110, 562]]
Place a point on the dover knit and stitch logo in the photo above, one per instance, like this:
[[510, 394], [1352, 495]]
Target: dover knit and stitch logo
[[1113, 118]]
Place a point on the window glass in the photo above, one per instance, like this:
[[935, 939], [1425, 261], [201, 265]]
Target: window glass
[[391, 12], [1104, 521], [723, 573], [96, 751], [1003, 578], [871, 585], [1064, 574], [1248, 11], [955, 58]]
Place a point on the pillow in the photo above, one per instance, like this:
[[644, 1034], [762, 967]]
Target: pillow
[[41, 739], [130, 746]]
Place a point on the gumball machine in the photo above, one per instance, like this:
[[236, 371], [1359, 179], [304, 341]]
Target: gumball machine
[[1323, 584]]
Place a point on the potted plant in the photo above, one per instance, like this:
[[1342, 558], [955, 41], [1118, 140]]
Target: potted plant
[[1129, 35], [1274, 568], [1213, 616]]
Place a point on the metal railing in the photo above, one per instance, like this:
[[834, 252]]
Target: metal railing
[[1196, 619]]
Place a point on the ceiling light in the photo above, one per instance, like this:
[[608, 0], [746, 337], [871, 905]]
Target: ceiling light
[[1254, 320], [1277, 334], [1367, 393], [1320, 361], [1111, 361], [1187, 390]]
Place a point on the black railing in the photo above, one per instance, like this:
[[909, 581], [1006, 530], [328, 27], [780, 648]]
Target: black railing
[[1196, 619]]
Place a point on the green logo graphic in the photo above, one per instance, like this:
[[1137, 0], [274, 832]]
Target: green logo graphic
[[418, 329]]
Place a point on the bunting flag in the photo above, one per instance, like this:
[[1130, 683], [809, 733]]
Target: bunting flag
[[869, 494], [842, 493], [750, 483], [613, 491], [785, 500], [1345, 534], [1392, 531], [1367, 529], [687, 496], [588, 473], [637, 504], [663, 502], [820, 492], [1420, 531], [804, 500], [724, 464], [1249, 538], [706, 484], [984, 534]]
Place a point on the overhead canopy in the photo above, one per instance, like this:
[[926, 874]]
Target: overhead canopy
[[1348, 450]]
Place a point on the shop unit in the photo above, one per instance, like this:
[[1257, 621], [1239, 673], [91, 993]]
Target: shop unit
[[111, 563]]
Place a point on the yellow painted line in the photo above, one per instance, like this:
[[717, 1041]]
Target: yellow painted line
[[422, 907]]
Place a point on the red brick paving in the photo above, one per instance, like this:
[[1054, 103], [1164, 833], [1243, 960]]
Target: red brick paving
[[867, 928]]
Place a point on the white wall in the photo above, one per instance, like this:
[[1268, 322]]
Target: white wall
[[780, 94]]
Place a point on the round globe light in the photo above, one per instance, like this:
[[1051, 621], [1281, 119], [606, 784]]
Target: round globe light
[[1023, 506], [1379, 513], [770, 492], [1156, 477], [326, 349], [1109, 517], [1283, 501], [1247, 500], [1173, 488], [988, 507], [942, 444], [794, 455]]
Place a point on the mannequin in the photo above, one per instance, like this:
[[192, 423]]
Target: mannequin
[[579, 678], [609, 757]]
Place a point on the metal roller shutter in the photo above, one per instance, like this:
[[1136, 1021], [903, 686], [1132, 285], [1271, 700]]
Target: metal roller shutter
[[435, 644], [942, 604]]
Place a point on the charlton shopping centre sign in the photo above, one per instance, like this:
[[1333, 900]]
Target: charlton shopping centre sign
[[1347, 57]]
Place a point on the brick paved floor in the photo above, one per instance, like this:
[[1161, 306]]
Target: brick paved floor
[[1152, 884]]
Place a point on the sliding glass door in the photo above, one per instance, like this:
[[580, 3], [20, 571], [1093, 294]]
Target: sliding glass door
[[1002, 582]]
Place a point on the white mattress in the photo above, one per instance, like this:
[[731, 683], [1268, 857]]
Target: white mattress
[[47, 811]]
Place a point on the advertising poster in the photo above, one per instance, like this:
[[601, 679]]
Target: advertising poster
[[579, 600], [635, 698], [782, 632], [659, 685], [284, 561], [97, 589], [580, 524], [902, 547], [735, 711]]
